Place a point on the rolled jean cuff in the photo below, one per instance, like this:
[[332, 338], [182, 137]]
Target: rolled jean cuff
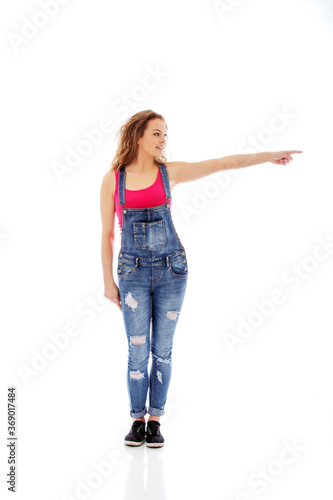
[[139, 414], [155, 411]]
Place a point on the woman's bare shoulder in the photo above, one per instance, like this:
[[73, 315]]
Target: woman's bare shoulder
[[172, 168], [109, 181]]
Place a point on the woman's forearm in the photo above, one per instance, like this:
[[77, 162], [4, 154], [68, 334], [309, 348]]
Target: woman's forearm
[[246, 160], [107, 257]]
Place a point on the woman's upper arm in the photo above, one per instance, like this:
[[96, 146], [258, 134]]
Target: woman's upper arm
[[182, 171], [107, 202]]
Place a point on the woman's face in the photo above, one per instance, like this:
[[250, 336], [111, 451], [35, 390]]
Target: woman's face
[[154, 138]]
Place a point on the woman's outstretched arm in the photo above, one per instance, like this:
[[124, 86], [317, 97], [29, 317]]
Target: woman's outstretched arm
[[181, 171]]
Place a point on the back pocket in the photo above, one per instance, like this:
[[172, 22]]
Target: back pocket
[[149, 234]]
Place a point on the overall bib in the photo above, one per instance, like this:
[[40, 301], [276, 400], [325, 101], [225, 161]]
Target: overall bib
[[152, 279]]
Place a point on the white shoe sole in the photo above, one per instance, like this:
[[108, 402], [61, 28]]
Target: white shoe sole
[[154, 445], [134, 443]]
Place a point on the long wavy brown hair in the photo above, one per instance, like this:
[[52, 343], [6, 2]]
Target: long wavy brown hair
[[128, 134]]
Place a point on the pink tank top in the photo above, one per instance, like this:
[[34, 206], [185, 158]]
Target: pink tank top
[[151, 196]]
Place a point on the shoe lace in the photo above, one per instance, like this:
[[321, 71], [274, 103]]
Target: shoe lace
[[153, 429], [138, 426]]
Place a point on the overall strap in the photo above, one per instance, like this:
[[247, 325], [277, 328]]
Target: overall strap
[[165, 179], [121, 186], [121, 183]]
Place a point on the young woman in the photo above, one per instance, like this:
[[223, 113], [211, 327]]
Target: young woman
[[152, 264]]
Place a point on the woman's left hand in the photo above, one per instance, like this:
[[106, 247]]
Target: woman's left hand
[[283, 157]]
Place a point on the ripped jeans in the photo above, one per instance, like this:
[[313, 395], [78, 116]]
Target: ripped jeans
[[151, 292]]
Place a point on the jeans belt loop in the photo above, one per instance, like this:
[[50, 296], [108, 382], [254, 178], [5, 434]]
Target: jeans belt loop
[[136, 261], [167, 260]]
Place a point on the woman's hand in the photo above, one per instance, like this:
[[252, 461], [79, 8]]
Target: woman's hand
[[111, 292], [283, 157]]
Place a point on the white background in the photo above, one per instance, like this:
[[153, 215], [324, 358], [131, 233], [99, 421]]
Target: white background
[[230, 74]]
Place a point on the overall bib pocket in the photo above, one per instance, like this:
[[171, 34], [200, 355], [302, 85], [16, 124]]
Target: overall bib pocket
[[149, 234]]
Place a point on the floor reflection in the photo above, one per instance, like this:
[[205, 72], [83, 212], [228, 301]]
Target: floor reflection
[[145, 475]]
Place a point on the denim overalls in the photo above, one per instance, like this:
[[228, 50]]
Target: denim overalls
[[152, 279]]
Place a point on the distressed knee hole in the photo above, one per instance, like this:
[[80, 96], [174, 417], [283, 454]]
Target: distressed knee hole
[[136, 375], [172, 315], [161, 360], [130, 301], [138, 340]]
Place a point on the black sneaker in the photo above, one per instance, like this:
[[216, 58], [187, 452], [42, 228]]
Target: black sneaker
[[154, 438], [136, 435]]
